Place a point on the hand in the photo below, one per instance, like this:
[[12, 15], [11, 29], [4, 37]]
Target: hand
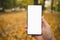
[[47, 34]]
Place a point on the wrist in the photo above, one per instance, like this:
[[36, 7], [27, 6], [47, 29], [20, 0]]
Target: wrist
[[39, 38]]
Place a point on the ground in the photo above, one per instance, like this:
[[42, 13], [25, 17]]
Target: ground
[[12, 25]]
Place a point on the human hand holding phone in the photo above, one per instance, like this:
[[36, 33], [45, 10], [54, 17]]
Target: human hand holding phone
[[46, 32]]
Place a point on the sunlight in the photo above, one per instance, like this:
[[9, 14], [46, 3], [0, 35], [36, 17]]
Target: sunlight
[[47, 3]]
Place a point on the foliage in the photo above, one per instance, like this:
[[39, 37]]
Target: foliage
[[25, 3], [7, 4], [58, 6]]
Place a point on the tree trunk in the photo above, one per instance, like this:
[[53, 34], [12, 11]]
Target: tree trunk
[[43, 5], [2, 5], [52, 2], [35, 2]]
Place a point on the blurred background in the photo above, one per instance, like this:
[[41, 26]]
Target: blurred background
[[13, 16]]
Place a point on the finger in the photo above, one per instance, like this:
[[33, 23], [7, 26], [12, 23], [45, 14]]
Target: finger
[[25, 28], [43, 20], [30, 36]]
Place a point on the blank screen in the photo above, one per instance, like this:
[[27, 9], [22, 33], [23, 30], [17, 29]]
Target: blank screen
[[34, 19]]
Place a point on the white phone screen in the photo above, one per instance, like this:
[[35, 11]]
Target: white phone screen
[[34, 19]]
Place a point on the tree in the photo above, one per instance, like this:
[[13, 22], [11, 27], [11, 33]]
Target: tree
[[35, 2], [58, 6], [52, 3], [7, 4], [25, 3], [10, 4], [2, 4], [43, 5]]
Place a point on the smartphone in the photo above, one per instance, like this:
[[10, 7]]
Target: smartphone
[[34, 20]]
